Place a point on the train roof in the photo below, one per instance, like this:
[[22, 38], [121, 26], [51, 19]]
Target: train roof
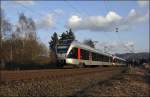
[[78, 44]]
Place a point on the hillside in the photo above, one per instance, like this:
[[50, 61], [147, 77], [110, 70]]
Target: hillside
[[142, 56]]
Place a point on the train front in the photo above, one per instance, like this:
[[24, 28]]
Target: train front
[[62, 49], [61, 53]]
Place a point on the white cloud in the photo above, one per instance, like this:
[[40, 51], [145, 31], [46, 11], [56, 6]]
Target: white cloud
[[49, 20], [24, 2], [116, 46], [93, 22], [112, 16], [110, 47], [46, 22], [75, 19], [129, 44], [143, 2], [106, 23], [136, 17]]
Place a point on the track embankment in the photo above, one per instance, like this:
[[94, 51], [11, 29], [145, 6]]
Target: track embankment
[[132, 83], [55, 82]]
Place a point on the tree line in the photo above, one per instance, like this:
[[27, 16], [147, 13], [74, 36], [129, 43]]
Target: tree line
[[20, 46]]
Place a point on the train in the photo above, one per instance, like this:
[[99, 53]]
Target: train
[[81, 55]]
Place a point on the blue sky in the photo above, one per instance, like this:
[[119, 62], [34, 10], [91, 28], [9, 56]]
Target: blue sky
[[96, 20]]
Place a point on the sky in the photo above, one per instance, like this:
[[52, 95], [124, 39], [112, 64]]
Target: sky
[[96, 20]]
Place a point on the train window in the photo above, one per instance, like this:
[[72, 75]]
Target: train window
[[100, 57], [94, 56], [73, 53], [106, 59], [62, 50], [109, 59], [118, 61], [84, 54]]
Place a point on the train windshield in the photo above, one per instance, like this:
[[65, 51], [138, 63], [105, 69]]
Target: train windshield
[[73, 53], [62, 49]]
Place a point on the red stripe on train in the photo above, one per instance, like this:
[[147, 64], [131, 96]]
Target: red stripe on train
[[79, 54]]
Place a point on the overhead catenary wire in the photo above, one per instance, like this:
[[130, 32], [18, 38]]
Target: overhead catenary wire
[[73, 7], [117, 30], [105, 32], [121, 42], [84, 11], [39, 14]]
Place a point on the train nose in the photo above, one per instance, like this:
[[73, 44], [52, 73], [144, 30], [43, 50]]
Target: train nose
[[61, 56]]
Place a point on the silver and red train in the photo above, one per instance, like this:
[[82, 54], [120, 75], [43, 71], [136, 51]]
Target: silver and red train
[[80, 55]]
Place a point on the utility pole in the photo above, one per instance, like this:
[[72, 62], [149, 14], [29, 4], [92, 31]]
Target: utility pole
[[131, 50]]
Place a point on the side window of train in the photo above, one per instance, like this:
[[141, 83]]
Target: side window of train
[[106, 59], [110, 59], [84, 54], [73, 53], [93, 56]]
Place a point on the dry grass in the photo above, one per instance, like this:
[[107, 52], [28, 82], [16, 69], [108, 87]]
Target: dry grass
[[132, 84]]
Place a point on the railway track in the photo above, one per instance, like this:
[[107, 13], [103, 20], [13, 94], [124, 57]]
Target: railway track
[[51, 73]]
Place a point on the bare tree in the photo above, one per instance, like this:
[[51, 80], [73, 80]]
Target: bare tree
[[26, 33], [6, 29], [21, 46]]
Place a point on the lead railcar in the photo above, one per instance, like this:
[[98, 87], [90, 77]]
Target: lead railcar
[[80, 55]]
